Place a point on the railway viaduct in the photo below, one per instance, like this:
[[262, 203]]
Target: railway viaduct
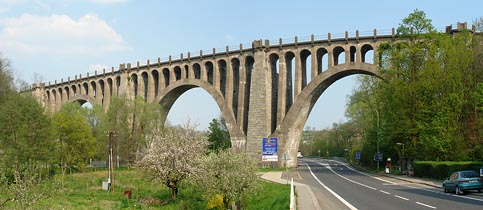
[[267, 89]]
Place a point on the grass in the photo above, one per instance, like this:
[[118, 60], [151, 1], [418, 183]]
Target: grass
[[83, 191]]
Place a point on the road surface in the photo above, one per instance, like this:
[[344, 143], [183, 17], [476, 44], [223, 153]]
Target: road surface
[[337, 186]]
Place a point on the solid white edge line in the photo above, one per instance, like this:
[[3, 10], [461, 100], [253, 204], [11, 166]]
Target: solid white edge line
[[397, 196], [330, 190], [422, 204]]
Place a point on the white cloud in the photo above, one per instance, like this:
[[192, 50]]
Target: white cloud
[[3, 10], [107, 1], [59, 34]]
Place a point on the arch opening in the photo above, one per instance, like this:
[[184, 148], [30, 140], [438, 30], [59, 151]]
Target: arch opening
[[339, 55], [209, 72], [306, 59], [166, 77], [155, 76], [222, 73], [134, 80], [353, 54], [249, 63], [290, 79], [197, 70], [118, 85], [145, 86], [177, 73], [367, 54], [94, 89], [101, 91], [322, 60], [235, 64], [274, 74]]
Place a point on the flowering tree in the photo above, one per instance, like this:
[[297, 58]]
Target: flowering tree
[[173, 154], [228, 175]]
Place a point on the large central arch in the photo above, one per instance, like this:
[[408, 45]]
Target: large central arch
[[167, 97], [291, 128]]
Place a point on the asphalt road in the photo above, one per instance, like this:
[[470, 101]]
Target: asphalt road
[[338, 186]]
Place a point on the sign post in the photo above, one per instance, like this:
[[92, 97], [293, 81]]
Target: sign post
[[270, 149]]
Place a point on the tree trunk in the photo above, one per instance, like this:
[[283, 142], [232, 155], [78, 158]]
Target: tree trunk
[[174, 192]]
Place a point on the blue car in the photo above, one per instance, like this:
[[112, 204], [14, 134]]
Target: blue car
[[461, 181]]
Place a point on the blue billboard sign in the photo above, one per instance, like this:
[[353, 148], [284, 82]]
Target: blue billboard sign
[[358, 155], [270, 149]]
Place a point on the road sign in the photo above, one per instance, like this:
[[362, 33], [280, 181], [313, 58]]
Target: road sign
[[358, 155], [270, 149], [378, 157]]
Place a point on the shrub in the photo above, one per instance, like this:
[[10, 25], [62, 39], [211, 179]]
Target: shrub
[[441, 170]]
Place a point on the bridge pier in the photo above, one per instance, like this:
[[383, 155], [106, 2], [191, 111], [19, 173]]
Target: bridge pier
[[259, 103]]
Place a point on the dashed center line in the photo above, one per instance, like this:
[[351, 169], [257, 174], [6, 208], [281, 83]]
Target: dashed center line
[[388, 193], [422, 204], [397, 196], [382, 191]]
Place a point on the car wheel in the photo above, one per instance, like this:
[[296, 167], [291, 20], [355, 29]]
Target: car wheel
[[479, 190], [458, 191], [445, 189]]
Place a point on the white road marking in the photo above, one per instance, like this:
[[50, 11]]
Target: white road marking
[[388, 193], [331, 191], [397, 196], [422, 204], [350, 180]]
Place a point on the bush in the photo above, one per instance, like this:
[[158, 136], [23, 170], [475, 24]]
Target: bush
[[441, 170]]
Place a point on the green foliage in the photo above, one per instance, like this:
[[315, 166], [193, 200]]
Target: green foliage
[[228, 174], [74, 141], [441, 170], [268, 196], [218, 135], [83, 191], [24, 131], [415, 23], [428, 97], [133, 122]]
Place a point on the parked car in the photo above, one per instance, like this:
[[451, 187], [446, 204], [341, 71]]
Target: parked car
[[461, 181]]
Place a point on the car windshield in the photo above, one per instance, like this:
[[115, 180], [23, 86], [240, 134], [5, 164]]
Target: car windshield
[[468, 174]]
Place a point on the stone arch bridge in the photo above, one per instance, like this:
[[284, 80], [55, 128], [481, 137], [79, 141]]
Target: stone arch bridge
[[265, 90]]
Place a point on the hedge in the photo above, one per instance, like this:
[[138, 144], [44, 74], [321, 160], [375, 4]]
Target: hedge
[[441, 170]]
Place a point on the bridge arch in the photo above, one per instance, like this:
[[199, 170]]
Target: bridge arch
[[291, 127], [168, 97], [82, 99]]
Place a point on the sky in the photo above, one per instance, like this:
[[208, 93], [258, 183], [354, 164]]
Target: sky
[[53, 39]]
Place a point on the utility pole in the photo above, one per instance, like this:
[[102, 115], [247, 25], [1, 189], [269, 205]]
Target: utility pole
[[377, 139], [111, 164]]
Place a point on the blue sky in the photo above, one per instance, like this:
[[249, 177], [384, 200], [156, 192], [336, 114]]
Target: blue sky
[[61, 38]]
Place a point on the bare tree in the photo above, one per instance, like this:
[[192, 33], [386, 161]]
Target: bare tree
[[478, 23], [173, 154]]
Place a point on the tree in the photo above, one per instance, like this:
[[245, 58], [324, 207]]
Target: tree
[[74, 141], [25, 145], [6, 78], [218, 135], [229, 175], [172, 155], [478, 23], [415, 23], [134, 122]]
